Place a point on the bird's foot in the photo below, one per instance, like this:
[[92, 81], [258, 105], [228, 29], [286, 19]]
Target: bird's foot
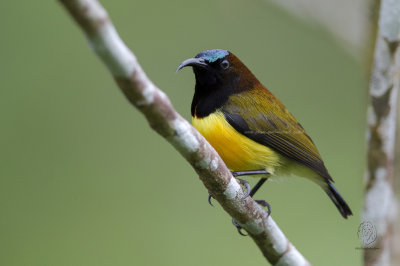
[[265, 204], [262, 203], [242, 182], [246, 185], [238, 227]]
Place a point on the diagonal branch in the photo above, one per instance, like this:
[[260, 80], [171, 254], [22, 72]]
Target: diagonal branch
[[156, 107]]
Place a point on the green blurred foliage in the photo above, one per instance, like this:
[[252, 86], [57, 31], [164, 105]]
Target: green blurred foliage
[[85, 181]]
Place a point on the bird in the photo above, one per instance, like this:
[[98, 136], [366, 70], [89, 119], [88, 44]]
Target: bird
[[251, 129]]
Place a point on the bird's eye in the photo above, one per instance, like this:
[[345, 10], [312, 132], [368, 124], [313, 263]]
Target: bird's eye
[[224, 64]]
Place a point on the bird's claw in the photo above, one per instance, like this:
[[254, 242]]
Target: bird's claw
[[246, 185], [242, 182], [238, 227], [209, 199], [262, 203], [265, 204]]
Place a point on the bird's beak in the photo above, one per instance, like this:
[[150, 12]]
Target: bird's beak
[[198, 62]]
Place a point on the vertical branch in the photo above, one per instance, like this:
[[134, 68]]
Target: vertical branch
[[395, 252], [380, 199]]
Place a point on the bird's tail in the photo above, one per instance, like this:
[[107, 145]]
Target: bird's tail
[[342, 206]]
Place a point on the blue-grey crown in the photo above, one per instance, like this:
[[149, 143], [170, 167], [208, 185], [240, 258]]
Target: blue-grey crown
[[213, 55]]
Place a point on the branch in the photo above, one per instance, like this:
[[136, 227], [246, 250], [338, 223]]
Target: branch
[[156, 107], [381, 205]]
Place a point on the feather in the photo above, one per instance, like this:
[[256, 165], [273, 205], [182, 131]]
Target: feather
[[258, 115]]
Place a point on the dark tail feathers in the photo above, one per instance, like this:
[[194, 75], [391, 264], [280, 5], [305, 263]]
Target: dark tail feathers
[[342, 206]]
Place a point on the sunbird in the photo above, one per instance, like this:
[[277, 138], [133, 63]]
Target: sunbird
[[249, 127]]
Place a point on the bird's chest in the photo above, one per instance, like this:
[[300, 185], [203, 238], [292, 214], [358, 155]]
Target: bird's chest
[[238, 152]]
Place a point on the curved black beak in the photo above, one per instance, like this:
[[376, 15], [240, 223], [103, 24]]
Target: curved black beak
[[198, 62]]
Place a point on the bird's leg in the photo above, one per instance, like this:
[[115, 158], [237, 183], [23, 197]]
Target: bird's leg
[[251, 172], [257, 186], [244, 182], [255, 189]]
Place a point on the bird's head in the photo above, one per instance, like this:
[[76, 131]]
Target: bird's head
[[217, 68], [219, 74]]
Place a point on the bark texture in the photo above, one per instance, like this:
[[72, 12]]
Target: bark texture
[[381, 205]]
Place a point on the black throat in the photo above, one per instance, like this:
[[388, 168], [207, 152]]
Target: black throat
[[212, 91], [207, 99]]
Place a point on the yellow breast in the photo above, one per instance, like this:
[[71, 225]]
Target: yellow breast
[[238, 152]]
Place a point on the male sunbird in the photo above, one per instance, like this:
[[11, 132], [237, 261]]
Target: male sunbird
[[249, 127]]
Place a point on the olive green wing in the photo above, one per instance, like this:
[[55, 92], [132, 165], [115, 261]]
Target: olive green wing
[[260, 116]]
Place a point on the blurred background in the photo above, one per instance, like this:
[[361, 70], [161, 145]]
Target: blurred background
[[85, 181]]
